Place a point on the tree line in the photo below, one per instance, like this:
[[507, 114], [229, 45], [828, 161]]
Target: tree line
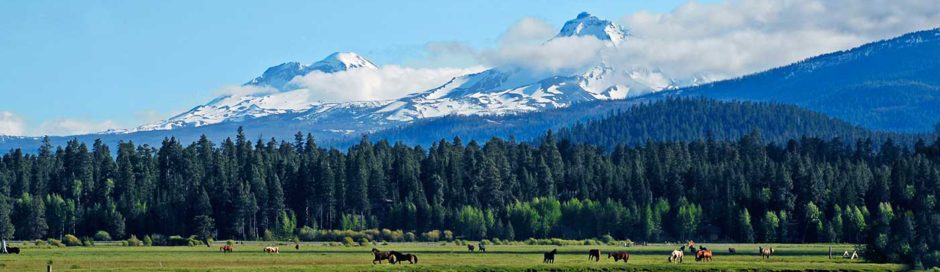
[[744, 190]]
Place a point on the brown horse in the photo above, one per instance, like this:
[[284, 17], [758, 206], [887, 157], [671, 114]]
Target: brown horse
[[226, 248], [12, 250], [470, 248], [550, 256], [732, 250], [766, 252], [398, 257], [594, 255], [703, 255], [380, 255], [620, 255]]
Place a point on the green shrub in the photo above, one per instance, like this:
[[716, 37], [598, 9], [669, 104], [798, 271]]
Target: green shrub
[[307, 234], [133, 241], [448, 235], [147, 240], [606, 238], [349, 242], [102, 236], [39, 243], [431, 236], [88, 242], [71, 240], [177, 240], [56, 243], [230, 242], [486, 242], [267, 235], [363, 241], [411, 237]]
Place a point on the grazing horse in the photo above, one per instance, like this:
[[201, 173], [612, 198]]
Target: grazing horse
[[274, 250], [676, 256], [703, 255], [550, 256], [620, 255], [732, 250], [11, 250], [595, 255], [226, 248], [470, 248], [766, 252], [398, 257], [380, 255], [482, 247]]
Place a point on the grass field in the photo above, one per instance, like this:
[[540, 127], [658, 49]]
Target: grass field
[[432, 257]]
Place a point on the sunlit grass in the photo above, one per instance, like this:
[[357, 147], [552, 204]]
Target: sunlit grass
[[432, 256]]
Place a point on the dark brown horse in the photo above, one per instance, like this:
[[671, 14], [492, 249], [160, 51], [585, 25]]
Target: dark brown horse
[[732, 250], [594, 255], [470, 248], [380, 255], [550, 256], [620, 255], [398, 257], [12, 250], [225, 248]]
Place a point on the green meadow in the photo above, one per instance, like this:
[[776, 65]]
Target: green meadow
[[431, 257]]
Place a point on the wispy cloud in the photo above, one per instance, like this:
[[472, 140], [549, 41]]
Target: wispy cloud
[[713, 40], [737, 37], [11, 124], [387, 82], [70, 126]]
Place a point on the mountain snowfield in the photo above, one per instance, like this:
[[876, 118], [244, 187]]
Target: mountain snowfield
[[497, 91]]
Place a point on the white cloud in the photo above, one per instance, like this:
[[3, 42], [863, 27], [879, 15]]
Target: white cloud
[[555, 55], [243, 90], [528, 30], [387, 82], [714, 40], [737, 37], [11, 124], [67, 126]]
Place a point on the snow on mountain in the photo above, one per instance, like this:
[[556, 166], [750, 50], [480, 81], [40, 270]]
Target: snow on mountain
[[280, 76], [589, 25], [235, 108], [497, 91]]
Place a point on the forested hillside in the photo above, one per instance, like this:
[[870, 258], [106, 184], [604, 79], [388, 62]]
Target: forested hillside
[[693, 119], [809, 190], [885, 85]]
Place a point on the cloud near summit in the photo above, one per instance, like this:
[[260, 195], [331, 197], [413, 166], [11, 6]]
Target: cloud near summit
[[713, 40]]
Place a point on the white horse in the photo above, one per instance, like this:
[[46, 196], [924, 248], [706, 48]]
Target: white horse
[[272, 250], [676, 256]]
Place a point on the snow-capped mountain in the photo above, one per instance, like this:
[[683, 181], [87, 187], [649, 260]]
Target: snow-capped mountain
[[287, 99], [497, 91], [280, 76], [588, 25]]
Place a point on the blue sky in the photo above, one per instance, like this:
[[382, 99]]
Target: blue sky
[[83, 66], [134, 61]]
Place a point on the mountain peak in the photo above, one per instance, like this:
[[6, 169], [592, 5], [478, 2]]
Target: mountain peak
[[586, 24], [342, 61], [280, 76]]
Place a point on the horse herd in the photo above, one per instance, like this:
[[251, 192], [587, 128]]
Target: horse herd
[[702, 254]]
